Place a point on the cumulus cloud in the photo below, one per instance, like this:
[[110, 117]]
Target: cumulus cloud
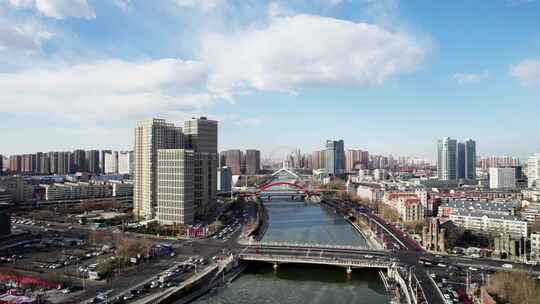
[[58, 9], [303, 51], [527, 72], [204, 5], [27, 38], [106, 90], [465, 78]]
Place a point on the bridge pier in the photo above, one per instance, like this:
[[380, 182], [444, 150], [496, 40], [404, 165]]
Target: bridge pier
[[349, 272], [276, 266]]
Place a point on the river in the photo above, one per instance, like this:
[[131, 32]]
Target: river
[[298, 222]]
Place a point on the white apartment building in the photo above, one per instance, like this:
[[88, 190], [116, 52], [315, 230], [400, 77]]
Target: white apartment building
[[533, 170], [370, 192], [502, 178], [125, 162], [175, 189], [71, 191], [490, 223], [111, 162]]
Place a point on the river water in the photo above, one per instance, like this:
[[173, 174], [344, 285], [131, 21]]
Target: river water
[[298, 222]]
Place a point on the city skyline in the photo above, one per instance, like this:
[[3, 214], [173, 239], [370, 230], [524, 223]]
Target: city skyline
[[93, 80]]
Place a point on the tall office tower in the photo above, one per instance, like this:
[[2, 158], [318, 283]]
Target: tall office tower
[[175, 186], [253, 162], [318, 159], [335, 157], [92, 161], [150, 136], [201, 136], [461, 162], [224, 179], [233, 160], [533, 170], [470, 159], [79, 161], [1, 164], [447, 159], [125, 162], [502, 178]]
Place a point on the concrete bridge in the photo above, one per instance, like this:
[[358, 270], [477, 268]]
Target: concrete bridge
[[348, 257]]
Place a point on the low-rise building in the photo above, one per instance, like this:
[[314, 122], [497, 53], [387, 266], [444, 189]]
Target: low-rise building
[[407, 204], [370, 192], [494, 208], [435, 234], [5, 196], [121, 188], [474, 220], [81, 190]]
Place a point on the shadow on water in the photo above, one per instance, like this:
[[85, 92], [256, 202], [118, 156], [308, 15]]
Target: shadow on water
[[367, 278]]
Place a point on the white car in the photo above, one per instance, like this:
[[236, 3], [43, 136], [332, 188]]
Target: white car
[[507, 266]]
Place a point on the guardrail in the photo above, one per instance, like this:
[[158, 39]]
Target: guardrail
[[312, 260], [304, 245]]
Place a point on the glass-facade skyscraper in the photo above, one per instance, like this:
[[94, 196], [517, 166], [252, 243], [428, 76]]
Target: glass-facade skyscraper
[[335, 157]]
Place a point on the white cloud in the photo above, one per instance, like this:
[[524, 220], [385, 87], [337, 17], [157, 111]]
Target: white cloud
[[465, 78], [204, 5], [527, 72], [106, 90], [27, 38], [58, 9], [303, 51]]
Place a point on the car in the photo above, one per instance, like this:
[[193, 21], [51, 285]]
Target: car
[[368, 256], [471, 268], [507, 266], [442, 265], [65, 291], [128, 296]]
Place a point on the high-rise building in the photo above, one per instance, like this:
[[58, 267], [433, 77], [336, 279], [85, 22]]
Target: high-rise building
[[125, 162], [335, 157], [356, 159], [224, 179], [45, 164], [498, 162], [110, 162], [533, 170], [461, 160], [253, 162], [63, 163], [502, 178], [318, 159], [102, 160], [15, 163], [79, 161], [175, 186], [470, 159], [447, 159], [233, 160], [92, 161], [1, 164], [201, 136], [150, 136]]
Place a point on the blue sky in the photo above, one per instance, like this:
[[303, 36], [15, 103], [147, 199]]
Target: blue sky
[[387, 76]]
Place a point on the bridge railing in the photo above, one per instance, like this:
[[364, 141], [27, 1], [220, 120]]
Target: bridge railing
[[316, 260], [304, 245]]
